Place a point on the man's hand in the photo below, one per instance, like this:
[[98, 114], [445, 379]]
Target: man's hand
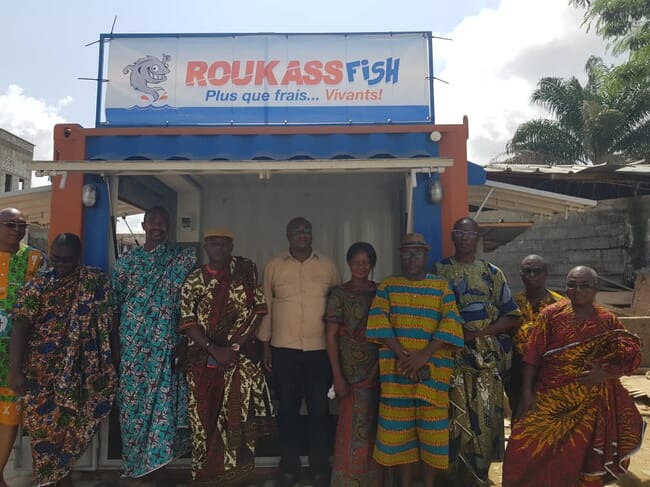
[[526, 404], [225, 356], [411, 363], [594, 375], [341, 387], [17, 382], [471, 335], [267, 356]]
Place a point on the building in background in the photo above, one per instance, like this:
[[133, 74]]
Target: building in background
[[14, 154]]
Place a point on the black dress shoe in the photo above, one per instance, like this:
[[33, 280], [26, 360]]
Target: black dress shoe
[[286, 480]]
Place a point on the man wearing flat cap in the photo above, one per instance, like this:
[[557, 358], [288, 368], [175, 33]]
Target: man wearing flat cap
[[415, 320], [229, 401]]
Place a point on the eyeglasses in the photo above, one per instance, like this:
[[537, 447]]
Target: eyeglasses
[[464, 234], [414, 254], [580, 285], [15, 225], [300, 231], [531, 270]]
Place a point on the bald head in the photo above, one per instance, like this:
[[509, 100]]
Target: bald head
[[582, 287], [583, 273], [12, 229], [533, 260], [533, 274], [466, 223]]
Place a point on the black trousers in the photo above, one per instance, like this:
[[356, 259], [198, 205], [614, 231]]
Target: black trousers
[[297, 375]]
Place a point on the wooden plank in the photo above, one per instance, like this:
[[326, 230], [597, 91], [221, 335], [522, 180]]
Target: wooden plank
[[641, 297], [615, 298]]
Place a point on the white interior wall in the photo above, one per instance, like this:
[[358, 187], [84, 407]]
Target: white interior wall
[[343, 208], [187, 216]]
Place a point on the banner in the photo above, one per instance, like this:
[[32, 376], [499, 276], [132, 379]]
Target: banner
[[268, 79]]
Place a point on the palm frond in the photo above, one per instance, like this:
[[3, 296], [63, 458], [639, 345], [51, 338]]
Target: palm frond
[[547, 137]]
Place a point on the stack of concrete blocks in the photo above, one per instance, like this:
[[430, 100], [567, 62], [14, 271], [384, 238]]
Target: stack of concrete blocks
[[612, 238]]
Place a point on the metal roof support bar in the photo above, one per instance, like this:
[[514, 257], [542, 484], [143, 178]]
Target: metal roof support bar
[[485, 200], [141, 167]]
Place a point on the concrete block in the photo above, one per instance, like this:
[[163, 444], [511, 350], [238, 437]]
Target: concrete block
[[621, 240], [591, 242]]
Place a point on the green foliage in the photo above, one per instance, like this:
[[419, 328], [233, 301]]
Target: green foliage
[[625, 22], [606, 120]]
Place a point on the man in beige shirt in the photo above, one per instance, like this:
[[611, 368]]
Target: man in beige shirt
[[296, 285]]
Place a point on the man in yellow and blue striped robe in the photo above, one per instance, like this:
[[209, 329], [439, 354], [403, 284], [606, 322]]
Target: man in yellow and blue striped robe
[[414, 316]]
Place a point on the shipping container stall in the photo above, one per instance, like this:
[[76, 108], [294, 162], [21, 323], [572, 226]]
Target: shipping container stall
[[368, 164]]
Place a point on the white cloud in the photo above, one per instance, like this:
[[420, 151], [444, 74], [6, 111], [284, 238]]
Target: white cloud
[[31, 118], [495, 61]]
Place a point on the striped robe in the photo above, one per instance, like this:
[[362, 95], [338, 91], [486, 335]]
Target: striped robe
[[414, 312]]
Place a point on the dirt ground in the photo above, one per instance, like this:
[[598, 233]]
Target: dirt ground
[[639, 465]]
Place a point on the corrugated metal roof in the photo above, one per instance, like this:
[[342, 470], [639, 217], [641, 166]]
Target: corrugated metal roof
[[503, 196], [235, 147], [640, 167]]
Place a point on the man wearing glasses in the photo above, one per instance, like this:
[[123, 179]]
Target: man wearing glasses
[[535, 296], [489, 315], [576, 424], [18, 264], [296, 285], [415, 320]]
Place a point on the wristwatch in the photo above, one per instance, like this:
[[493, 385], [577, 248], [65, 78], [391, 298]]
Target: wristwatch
[[235, 347]]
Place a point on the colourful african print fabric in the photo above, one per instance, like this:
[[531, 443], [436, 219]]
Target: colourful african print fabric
[[514, 380], [476, 393], [356, 427], [529, 315], [414, 312], [15, 270], [230, 409], [70, 376], [575, 434], [152, 395]]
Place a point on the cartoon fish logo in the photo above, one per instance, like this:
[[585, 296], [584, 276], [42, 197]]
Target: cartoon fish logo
[[148, 71]]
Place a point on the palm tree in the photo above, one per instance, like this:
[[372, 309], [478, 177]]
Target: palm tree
[[606, 120]]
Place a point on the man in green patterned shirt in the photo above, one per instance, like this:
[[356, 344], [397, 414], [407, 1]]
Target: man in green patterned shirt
[[18, 264]]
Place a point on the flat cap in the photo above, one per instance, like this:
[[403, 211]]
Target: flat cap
[[219, 232], [414, 241]]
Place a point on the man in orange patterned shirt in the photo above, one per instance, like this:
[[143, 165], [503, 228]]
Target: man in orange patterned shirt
[[535, 297]]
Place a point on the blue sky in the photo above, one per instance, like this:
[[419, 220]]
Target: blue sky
[[500, 49]]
